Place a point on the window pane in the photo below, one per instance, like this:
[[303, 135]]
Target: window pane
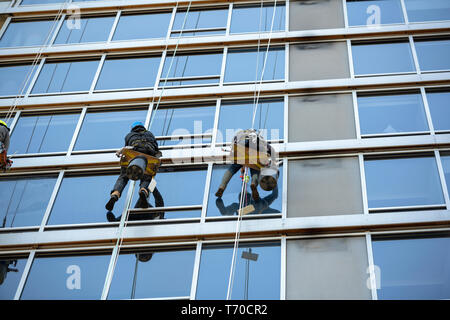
[[362, 13], [82, 200], [183, 121], [66, 278], [415, 269], [433, 55], [200, 19], [252, 19], [131, 26], [327, 269], [196, 65], [235, 116], [391, 114], [439, 103], [12, 79], [403, 182], [25, 200], [165, 274], [27, 2], [242, 65], [107, 130], [66, 77], [228, 204], [256, 277], [9, 279], [128, 73], [446, 167], [324, 187], [26, 33], [389, 57], [430, 10], [85, 30], [46, 133]]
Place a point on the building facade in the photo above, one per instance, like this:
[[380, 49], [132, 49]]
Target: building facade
[[353, 95]]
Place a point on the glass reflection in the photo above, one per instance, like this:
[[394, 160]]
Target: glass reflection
[[12, 80], [153, 274], [256, 277], [10, 274], [83, 30], [201, 21], [257, 18], [430, 10], [26, 33], [439, 103], [130, 26], [433, 55], [367, 13]]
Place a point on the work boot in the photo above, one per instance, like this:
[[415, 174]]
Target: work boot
[[114, 197], [111, 217], [255, 193], [143, 196], [219, 192]]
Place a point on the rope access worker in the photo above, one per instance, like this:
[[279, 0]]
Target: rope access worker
[[4, 145], [141, 140]]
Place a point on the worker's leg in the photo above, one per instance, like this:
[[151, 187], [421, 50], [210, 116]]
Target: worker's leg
[[254, 184], [144, 192], [232, 169], [120, 184]]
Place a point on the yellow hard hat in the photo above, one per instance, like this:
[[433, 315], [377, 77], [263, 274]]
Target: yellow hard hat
[[3, 123]]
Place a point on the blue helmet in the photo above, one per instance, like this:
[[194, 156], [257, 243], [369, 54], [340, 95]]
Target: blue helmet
[[137, 124]]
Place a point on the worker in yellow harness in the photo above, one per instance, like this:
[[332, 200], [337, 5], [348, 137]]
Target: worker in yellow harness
[[5, 163]]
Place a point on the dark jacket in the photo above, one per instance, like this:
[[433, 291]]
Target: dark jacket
[[142, 140], [4, 137]]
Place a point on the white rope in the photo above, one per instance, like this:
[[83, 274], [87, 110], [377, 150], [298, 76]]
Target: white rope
[[255, 108], [36, 59]]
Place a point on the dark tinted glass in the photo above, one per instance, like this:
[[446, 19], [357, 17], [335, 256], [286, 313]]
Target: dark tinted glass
[[253, 19], [403, 182], [229, 203], [10, 274], [150, 274], [439, 103], [66, 77], [433, 55], [235, 116], [414, 269], [12, 80], [128, 73], [371, 12], [382, 58], [256, 277], [83, 199], [247, 65], [46, 133], [107, 130], [27, 33], [142, 26], [66, 278], [392, 114], [25, 200], [85, 30], [430, 10]]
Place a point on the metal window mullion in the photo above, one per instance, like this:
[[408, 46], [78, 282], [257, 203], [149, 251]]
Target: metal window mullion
[[26, 271], [114, 26], [405, 12], [287, 13], [206, 192], [286, 63], [362, 173], [224, 63], [344, 8], [52, 200], [286, 119], [160, 71], [120, 235], [356, 115], [350, 59], [97, 73], [149, 115], [14, 122], [216, 123], [195, 273], [414, 54], [371, 268], [442, 178], [35, 76], [5, 26], [284, 195], [427, 111], [230, 12], [77, 131], [283, 267], [57, 29]]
